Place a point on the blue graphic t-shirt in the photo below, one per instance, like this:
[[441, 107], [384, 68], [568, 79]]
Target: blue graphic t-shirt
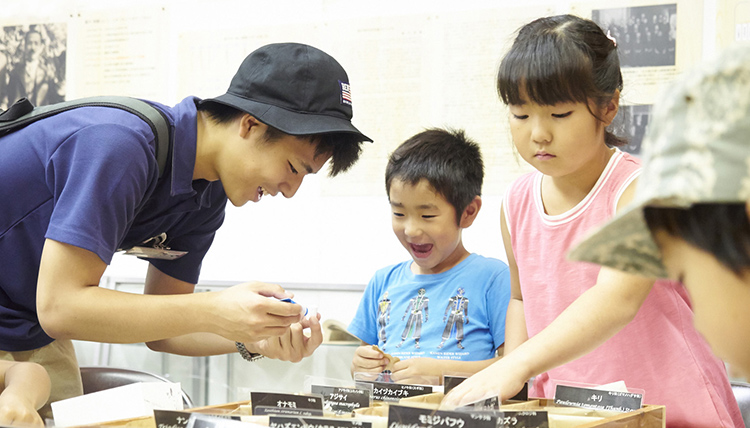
[[455, 315]]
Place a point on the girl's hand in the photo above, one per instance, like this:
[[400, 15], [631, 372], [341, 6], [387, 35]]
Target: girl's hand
[[498, 380], [425, 371], [368, 360]]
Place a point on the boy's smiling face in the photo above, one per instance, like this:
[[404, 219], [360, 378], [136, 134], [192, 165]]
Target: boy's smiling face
[[425, 224]]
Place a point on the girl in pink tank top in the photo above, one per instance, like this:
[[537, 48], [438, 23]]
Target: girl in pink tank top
[[575, 322]]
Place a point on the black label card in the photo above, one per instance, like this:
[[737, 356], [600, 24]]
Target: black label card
[[342, 400], [306, 422], [171, 418], [199, 420], [265, 403], [178, 419], [384, 391], [450, 382], [415, 417], [523, 394], [290, 411], [597, 399], [523, 419], [491, 403]]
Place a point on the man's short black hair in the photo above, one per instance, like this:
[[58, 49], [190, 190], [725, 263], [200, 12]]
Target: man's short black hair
[[449, 161], [344, 148], [722, 230]]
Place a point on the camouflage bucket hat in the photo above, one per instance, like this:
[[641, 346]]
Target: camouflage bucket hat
[[696, 150]]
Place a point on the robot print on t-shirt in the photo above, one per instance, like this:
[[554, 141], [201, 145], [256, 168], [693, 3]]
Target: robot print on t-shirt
[[414, 323], [456, 313], [384, 316]]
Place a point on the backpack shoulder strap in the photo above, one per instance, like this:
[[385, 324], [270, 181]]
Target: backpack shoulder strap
[[22, 113]]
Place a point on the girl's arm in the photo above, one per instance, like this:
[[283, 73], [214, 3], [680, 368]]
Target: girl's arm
[[26, 389], [589, 321], [515, 322], [427, 370]]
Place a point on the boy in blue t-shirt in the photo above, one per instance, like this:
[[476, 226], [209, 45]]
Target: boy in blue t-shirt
[[434, 182]]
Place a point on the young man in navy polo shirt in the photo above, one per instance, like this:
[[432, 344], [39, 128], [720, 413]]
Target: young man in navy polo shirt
[[80, 185]]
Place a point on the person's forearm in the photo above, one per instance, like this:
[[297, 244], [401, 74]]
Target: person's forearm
[[515, 326], [102, 315], [195, 345], [587, 323], [458, 368]]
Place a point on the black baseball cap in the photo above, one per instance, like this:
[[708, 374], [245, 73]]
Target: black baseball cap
[[295, 88]]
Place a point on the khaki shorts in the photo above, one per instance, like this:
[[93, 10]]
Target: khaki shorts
[[59, 358]]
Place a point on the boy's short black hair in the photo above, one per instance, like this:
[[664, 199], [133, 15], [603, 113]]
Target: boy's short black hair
[[447, 159], [345, 148], [720, 229]]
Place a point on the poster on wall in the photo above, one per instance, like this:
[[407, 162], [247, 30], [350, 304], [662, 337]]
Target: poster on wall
[[732, 22], [435, 67], [32, 63], [120, 52]]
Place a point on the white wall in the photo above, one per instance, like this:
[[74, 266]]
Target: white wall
[[412, 65]]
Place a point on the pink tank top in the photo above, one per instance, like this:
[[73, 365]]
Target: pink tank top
[[659, 352]]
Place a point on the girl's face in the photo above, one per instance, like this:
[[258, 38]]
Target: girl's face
[[720, 299], [425, 224], [559, 140]]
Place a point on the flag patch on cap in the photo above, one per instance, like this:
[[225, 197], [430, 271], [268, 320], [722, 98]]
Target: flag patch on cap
[[346, 93]]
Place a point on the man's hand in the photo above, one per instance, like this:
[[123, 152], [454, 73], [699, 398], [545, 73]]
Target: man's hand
[[294, 345], [252, 312]]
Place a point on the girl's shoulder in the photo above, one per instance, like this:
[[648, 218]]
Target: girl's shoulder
[[522, 185]]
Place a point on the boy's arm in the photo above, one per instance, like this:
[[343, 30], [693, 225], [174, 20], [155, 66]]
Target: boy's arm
[[515, 323], [71, 305], [26, 389]]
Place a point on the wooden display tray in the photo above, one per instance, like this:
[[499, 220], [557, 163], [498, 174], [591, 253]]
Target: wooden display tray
[[650, 416]]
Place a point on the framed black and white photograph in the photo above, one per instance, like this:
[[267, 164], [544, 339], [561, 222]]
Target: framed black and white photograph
[[645, 35], [631, 122], [32, 63]]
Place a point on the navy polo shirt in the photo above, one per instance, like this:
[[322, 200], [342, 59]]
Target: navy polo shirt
[[89, 177]]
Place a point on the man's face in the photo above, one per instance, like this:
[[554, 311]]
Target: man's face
[[252, 166], [33, 45], [720, 298]]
